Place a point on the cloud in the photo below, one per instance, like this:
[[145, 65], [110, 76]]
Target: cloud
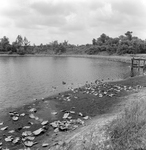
[[78, 21], [52, 8], [130, 7]]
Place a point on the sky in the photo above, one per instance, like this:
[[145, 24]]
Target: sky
[[77, 21]]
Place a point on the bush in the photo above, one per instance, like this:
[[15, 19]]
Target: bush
[[60, 49], [111, 49], [122, 49], [103, 48], [92, 50], [128, 132]]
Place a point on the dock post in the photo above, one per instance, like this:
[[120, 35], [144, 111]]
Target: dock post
[[139, 65], [144, 66], [132, 73]]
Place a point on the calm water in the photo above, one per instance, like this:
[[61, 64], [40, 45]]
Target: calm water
[[24, 78]]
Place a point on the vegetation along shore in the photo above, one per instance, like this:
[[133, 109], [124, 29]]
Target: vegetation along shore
[[124, 44]]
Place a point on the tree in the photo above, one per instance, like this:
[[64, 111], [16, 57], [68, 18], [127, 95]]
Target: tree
[[18, 45], [26, 43], [94, 41], [4, 43], [129, 35], [60, 49], [54, 44], [65, 43], [19, 40], [103, 38]]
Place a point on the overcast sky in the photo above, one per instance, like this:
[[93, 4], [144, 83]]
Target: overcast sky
[[78, 21]]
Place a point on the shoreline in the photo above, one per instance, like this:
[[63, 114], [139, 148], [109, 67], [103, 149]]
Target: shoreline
[[124, 58], [117, 58], [80, 101]]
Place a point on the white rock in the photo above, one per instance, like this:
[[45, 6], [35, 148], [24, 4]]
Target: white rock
[[4, 128], [11, 131], [44, 122], [33, 110], [16, 140], [8, 139], [26, 133], [1, 123], [32, 116], [72, 112], [26, 127], [56, 130], [45, 144], [15, 118], [29, 143], [86, 117], [80, 114], [100, 95], [37, 118], [65, 115], [54, 113], [5, 149], [39, 131], [23, 114], [31, 138], [54, 124]]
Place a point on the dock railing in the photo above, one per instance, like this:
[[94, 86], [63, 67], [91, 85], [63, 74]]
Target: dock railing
[[138, 63]]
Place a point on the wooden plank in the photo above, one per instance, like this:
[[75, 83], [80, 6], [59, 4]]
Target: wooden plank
[[138, 58]]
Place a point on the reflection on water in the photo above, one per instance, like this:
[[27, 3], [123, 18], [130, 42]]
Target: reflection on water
[[24, 78]]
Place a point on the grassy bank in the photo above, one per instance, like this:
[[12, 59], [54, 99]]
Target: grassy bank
[[128, 131]]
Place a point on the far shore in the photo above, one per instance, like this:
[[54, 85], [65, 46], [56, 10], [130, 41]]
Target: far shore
[[123, 58], [120, 58]]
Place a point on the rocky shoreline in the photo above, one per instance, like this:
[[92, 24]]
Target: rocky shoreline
[[38, 124]]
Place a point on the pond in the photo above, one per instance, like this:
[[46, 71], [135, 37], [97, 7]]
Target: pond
[[23, 79]]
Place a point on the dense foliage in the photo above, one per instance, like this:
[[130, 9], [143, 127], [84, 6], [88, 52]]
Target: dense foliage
[[124, 44]]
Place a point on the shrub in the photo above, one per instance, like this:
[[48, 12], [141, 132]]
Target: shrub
[[128, 131], [60, 49], [122, 49], [111, 49], [103, 48], [92, 50]]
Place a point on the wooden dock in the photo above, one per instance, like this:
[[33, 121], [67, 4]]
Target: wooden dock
[[138, 63]]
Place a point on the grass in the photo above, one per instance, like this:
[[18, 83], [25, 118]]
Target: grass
[[128, 131]]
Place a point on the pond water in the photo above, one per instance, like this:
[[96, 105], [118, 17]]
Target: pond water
[[23, 79]]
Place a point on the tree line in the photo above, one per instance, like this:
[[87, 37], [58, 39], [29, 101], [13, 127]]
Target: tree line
[[22, 46], [124, 44]]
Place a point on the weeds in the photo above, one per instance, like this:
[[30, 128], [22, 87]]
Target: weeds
[[128, 131]]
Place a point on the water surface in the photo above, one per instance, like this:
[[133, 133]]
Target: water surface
[[23, 79]]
